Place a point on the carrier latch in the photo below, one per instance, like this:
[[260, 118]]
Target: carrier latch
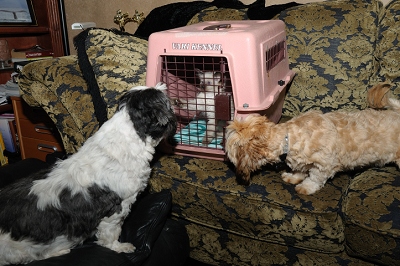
[[218, 27]]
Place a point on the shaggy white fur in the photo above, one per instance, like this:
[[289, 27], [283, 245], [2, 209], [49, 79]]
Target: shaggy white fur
[[92, 191]]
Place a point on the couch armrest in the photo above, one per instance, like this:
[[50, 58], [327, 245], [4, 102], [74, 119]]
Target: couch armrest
[[57, 86]]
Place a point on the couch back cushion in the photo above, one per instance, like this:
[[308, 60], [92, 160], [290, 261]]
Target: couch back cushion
[[331, 48], [112, 62], [388, 48]]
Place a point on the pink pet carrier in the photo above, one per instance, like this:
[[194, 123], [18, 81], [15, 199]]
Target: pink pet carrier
[[216, 71]]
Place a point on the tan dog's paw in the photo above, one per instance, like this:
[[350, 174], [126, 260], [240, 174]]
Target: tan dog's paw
[[307, 187], [294, 179]]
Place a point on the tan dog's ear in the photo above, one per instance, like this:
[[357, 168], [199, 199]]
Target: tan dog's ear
[[235, 150], [238, 156], [243, 172], [378, 95], [245, 146]]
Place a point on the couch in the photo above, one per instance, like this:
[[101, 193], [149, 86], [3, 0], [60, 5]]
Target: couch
[[338, 50]]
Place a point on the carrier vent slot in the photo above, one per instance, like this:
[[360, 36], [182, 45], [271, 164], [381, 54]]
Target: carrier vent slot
[[275, 54]]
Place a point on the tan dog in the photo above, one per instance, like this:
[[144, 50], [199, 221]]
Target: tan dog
[[318, 145]]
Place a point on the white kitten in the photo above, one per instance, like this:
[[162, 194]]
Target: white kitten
[[210, 80], [211, 84]]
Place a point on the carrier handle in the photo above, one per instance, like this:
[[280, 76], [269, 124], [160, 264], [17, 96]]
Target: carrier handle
[[218, 27]]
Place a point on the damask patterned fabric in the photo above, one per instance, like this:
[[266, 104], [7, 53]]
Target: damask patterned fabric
[[331, 48], [388, 49], [220, 247], [59, 88], [268, 210], [118, 61], [371, 209], [269, 216]]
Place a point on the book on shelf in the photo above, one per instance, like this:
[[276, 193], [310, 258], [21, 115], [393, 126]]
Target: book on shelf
[[19, 60], [32, 53], [8, 132], [3, 158], [14, 134]]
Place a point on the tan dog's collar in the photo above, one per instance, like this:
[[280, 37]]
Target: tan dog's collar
[[285, 149], [286, 144]]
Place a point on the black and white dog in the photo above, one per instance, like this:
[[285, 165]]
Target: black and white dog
[[91, 192]]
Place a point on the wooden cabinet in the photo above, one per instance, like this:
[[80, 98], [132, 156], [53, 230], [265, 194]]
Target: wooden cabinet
[[38, 136], [49, 32]]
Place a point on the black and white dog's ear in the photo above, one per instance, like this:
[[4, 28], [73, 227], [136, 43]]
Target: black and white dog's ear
[[150, 111]]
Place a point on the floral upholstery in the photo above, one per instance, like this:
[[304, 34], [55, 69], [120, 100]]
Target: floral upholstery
[[338, 50], [388, 50], [371, 211], [268, 210], [118, 61], [331, 48], [59, 88]]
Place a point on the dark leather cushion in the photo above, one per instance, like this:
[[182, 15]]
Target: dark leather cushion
[[145, 222], [172, 246]]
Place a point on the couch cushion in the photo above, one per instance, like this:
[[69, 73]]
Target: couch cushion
[[57, 86], [372, 216], [219, 247], [388, 49], [114, 63], [206, 192], [331, 48]]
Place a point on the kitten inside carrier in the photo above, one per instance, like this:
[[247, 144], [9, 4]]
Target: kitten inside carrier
[[199, 103]]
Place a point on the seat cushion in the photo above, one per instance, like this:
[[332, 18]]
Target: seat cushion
[[331, 48], [219, 247], [372, 215], [206, 192]]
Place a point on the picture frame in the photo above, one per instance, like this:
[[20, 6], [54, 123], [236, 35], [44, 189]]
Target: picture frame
[[17, 13]]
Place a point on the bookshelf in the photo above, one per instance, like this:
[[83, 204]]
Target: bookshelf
[[49, 32], [37, 135]]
